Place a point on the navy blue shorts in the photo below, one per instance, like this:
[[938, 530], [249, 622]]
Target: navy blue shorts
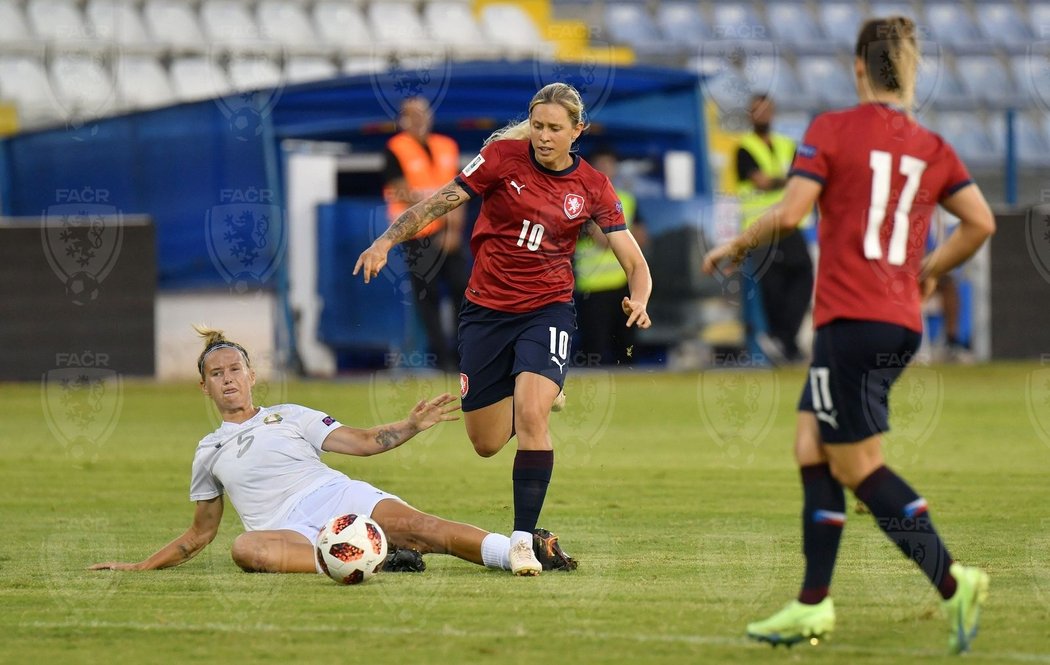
[[494, 347], [854, 365]]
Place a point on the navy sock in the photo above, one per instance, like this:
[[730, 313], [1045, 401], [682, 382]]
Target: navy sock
[[532, 474], [903, 516], [823, 516]]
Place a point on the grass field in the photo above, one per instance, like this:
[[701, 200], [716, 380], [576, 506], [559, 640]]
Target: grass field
[[676, 492]]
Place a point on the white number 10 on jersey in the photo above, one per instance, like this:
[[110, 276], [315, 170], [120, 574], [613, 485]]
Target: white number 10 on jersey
[[533, 237], [881, 163]]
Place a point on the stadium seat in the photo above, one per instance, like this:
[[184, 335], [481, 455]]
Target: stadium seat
[[452, 24], [173, 24], [1031, 73], [229, 25], [1039, 19], [118, 22], [60, 22], [287, 24], [303, 68], [938, 86], [796, 28], [952, 25], [792, 124], [14, 32], [82, 85], [194, 78], [827, 81], [362, 65], [253, 73], [776, 77], [987, 81], [24, 81], [1030, 138], [738, 21], [680, 22], [967, 133], [908, 9], [630, 24], [1003, 25], [841, 22], [396, 27], [343, 26], [507, 24], [142, 83]]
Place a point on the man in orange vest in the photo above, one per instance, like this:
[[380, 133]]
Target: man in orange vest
[[418, 163]]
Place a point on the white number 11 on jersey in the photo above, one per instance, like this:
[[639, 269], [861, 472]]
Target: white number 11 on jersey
[[881, 164]]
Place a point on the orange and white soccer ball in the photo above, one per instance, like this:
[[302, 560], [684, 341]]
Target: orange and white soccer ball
[[351, 549]]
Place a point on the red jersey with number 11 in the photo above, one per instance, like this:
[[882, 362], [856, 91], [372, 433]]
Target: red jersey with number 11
[[530, 219], [883, 175]]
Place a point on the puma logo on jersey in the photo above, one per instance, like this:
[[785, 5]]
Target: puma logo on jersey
[[517, 186], [561, 365]]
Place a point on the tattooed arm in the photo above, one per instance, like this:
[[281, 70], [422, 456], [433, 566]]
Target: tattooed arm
[[364, 442], [206, 520], [409, 224]]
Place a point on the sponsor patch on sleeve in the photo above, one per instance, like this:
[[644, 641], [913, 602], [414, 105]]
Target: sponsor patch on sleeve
[[473, 165], [328, 420], [806, 150], [619, 207]]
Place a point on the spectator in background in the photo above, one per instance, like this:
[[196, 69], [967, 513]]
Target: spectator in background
[[601, 283], [418, 163], [786, 282]]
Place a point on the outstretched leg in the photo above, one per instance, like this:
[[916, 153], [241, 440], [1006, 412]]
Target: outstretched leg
[[278, 551], [407, 527]]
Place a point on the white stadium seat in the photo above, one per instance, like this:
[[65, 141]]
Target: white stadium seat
[[286, 23], [118, 22], [142, 83], [508, 25], [173, 24], [343, 26], [82, 85], [24, 81], [228, 23], [253, 73], [397, 28], [194, 78], [59, 22], [14, 31], [304, 68], [452, 23]]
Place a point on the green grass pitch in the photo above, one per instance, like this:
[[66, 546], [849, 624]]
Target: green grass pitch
[[676, 492]]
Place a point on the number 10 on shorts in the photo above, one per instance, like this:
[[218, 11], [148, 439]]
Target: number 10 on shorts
[[559, 343]]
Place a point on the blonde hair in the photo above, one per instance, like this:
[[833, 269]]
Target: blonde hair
[[216, 339], [889, 49], [552, 93]]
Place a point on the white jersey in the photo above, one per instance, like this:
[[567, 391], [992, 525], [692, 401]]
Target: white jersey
[[266, 464]]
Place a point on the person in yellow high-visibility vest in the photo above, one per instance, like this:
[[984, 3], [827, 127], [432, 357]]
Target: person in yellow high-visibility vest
[[783, 270], [601, 283]]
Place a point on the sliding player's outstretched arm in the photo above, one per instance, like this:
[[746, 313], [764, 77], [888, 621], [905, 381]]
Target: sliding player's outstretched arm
[[206, 519], [379, 439]]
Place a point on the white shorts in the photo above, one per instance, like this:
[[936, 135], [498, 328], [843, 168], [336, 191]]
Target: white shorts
[[339, 497]]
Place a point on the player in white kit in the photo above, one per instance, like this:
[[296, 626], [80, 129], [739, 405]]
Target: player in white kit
[[267, 460]]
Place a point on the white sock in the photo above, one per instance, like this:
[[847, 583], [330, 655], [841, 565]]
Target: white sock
[[495, 551]]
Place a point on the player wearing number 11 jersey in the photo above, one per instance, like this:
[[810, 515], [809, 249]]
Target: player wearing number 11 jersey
[[877, 177], [517, 320]]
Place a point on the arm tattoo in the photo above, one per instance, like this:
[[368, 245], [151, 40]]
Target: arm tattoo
[[412, 220], [388, 438], [185, 551]]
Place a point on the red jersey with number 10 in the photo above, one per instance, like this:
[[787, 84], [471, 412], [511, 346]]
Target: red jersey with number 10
[[525, 236], [883, 175]]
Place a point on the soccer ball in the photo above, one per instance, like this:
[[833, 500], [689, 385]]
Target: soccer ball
[[351, 548]]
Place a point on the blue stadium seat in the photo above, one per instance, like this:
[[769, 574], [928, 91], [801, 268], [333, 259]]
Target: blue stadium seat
[[1039, 19], [1031, 141], [797, 29], [1003, 25], [776, 77], [792, 124], [1031, 73], [738, 20], [952, 25], [967, 133], [939, 86], [828, 82], [682, 24], [841, 22], [629, 23], [987, 80], [908, 9]]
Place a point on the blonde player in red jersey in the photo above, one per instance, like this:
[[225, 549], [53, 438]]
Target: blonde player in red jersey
[[518, 316], [877, 177]]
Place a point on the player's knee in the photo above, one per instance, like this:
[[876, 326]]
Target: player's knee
[[486, 446], [531, 420], [245, 553], [846, 475]]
